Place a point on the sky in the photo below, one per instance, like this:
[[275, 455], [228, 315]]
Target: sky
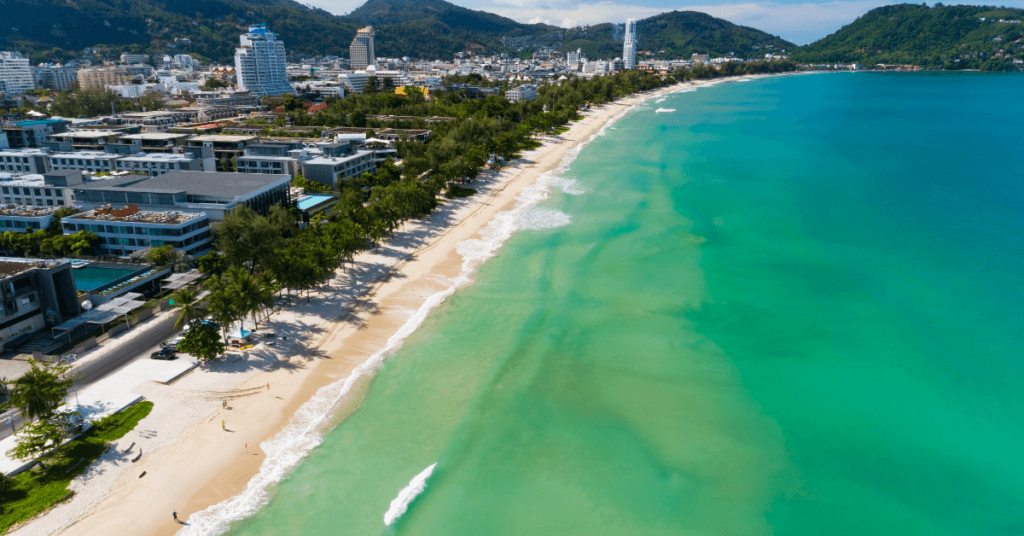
[[798, 21]]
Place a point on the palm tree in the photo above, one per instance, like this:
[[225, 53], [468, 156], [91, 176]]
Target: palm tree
[[222, 304], [39, 392], [187, 300]]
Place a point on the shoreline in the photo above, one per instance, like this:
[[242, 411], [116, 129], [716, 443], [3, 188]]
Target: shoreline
[[207, 472]]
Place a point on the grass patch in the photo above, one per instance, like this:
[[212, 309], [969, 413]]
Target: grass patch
[[35, 491], [531, 144], [561, 130], [459, 191]]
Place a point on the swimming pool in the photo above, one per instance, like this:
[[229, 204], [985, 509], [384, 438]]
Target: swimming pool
[[97, 275]]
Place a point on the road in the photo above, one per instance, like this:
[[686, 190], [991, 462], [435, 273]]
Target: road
[[145, 341]]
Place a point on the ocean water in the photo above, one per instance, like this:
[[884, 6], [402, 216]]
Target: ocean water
[[789, 306]]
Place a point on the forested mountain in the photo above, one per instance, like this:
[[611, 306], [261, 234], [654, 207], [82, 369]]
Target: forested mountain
[[211, 27], [950, 37], [60, 29], [678, 34]]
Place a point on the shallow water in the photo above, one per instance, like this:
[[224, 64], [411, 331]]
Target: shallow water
[[789, 307]]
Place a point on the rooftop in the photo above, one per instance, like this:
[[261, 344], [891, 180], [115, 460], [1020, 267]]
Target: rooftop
[[27, 212], [221, 137], [201, 183], [9, 267], [142, 216], [154, 136], [158, 157], [87, 134]]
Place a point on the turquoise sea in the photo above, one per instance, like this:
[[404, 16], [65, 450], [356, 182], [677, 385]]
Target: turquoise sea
[[791, 306]]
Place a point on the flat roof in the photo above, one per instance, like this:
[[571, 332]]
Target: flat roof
[[159, 157], [220, 137], [142, 216], [37, 122], [87, 134], [203, 183], [336, 159], [154, 136], [26, 211]]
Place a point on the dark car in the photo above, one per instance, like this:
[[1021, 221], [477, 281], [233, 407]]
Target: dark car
[[164, 353]]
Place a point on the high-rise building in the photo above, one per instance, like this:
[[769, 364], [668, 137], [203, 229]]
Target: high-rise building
[[629, 46], [54, 77], [15, 74], [573, 58], [361, 54], [260, 63]]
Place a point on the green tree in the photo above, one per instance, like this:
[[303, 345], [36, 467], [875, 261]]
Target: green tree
[[186, 301], [202, 342], [162, 256], [37, 439], [40, 391]]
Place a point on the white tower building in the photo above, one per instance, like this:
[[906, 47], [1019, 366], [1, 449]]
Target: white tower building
[[361, 53], [15, 74], [629, 46], [260, 63]]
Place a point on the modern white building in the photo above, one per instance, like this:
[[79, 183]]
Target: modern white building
[[361, 53], [128, 229], [629, 46], [130, 58], [522, 93], [24, 161], [15, 74], [160, 163], [260, 63], [52, 189], [92, 161]]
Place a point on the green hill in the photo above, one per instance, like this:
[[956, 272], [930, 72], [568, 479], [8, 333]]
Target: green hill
[[950, 37], [51, 30], [679, 34]]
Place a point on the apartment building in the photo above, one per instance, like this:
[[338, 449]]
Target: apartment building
[[24, 161], [339, 162], [15, 74], [51, 189], [91, 161], [124, 230], [160, 163], [134, 58], [101, 77], [522, 93], [54, 77], [361, 51], [261, 64], [213, 193], [34, 294], [28, 134]]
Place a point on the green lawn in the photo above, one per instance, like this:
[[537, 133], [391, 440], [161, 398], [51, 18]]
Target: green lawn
[[37, 490]]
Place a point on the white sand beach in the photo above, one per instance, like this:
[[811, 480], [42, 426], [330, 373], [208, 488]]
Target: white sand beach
[[274, 413]]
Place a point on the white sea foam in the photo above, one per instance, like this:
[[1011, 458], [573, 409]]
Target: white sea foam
[[569, 186], [664, 110], [659, 101], [400, 504], [305, 430], [544, 218]]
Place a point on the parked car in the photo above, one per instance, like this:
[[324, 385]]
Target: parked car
[[172, 344], [164, 353]]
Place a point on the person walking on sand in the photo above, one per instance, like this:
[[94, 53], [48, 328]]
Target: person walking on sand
[[224, 404], [223, 426], [174, 514]]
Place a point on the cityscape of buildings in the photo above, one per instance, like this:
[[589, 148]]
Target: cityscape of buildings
[[165, 176]]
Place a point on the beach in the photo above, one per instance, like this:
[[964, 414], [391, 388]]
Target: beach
[[197, 453]]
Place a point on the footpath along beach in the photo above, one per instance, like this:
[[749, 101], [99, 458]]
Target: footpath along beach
[[281, 396]]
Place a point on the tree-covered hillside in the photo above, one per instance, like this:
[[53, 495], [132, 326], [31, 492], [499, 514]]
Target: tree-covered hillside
[[55, 30], [949, 37], [58, 29], [679, 34]]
